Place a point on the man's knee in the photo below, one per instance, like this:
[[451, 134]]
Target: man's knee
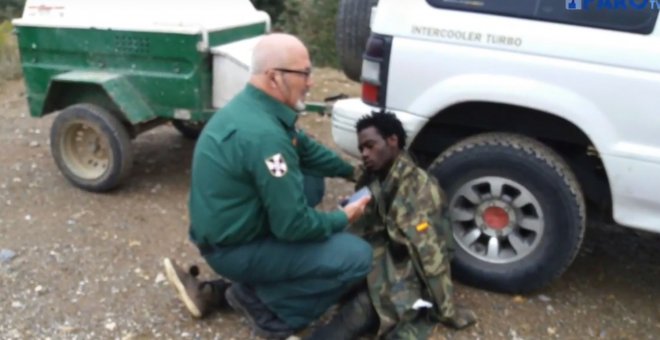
[[354, 254]]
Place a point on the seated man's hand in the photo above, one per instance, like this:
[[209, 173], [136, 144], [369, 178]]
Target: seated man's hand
[[356, 209], [462, 318]]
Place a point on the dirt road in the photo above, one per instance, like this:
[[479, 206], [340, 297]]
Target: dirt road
[[88, 266]]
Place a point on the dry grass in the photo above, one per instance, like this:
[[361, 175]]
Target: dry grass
[[10, 64]]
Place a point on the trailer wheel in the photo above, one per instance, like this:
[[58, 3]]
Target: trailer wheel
[[516, 209], [91, 147], [188, 129], [352, 32]]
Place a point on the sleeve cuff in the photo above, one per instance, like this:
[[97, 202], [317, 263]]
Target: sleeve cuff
[[339, 220]]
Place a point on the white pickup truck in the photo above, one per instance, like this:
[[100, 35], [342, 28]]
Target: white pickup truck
[[530, 113]]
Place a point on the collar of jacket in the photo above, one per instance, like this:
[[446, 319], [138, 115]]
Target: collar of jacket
[[385, 191], [402, 166], [272, 106]]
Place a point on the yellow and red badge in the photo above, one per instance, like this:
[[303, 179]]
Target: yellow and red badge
[[422, 226]]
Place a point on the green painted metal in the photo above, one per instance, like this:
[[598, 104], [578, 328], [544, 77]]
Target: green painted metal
[[117, 88], [226, 36], [158, 73], [316, 107]]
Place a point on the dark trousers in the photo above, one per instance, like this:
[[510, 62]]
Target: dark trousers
[[297, 281]]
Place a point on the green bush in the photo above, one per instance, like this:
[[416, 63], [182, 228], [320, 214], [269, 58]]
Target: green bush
[[10, 9], [273, 7], [314, 22], [10, 65]]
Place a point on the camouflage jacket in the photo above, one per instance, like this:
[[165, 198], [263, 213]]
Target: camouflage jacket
[[405, 224]]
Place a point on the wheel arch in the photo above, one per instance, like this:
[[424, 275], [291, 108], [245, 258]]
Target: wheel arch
[[466, 119]]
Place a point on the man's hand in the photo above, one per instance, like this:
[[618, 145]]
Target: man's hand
[[463, 317], [356, 209]]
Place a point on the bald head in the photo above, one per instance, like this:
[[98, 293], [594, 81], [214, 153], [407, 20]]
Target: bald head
[[277, 50], [281, 68]]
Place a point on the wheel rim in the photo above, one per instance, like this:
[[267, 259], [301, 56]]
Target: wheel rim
[[85, 151], [496, 219]]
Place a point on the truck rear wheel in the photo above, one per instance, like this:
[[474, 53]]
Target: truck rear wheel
[[517, 211], [352, 32], [91, 147]]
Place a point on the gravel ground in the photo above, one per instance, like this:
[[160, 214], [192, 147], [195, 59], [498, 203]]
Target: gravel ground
[[78, 265]]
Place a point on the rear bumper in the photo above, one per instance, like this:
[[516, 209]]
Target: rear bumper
[[346, 113]]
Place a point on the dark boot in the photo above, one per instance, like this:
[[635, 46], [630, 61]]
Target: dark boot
[[265, 323], [200, 298], [355, 318]]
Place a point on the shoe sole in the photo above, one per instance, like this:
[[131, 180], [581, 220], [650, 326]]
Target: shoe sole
[[233, 302], [174, 279]]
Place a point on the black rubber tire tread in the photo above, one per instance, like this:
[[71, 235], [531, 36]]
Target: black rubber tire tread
[[352, 32], [121, 162], [535, 154]]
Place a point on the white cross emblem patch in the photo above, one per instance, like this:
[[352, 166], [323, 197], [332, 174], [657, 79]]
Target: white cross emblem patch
[[276, 165]]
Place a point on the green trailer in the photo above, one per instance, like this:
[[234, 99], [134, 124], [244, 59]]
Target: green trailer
[[114, 69]]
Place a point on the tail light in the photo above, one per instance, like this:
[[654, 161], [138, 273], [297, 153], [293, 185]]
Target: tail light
[[374, 69]]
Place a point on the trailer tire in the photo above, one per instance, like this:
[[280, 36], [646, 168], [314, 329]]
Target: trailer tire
[[91, 147], [352, 32], [517, 211]]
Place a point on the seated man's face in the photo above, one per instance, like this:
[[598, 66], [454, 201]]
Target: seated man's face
[[378, 153]]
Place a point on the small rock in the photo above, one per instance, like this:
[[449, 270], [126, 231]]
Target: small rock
[[159, 278], [185, 335], [110, 326], [6, 255], [156, 188], [28, 217], [550, 310], [67, 329], [34, 144], [591, 332], [39, 289], [544, 298], [16, 180], [16, 304], [552, 331], [514, 335], [518, 299]]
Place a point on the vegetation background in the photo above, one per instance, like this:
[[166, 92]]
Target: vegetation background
[[312, 20]]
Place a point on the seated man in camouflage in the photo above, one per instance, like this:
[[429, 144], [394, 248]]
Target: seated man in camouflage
[[409, 288]]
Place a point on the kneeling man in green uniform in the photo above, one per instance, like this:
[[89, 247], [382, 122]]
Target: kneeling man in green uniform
[[287, 262]]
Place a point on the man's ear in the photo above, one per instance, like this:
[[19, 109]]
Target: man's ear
[[270, 75], [392, 141]]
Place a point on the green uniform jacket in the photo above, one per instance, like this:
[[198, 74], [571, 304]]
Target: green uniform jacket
[[405, 224], [247, 176]]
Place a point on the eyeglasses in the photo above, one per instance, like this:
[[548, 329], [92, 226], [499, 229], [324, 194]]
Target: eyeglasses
[[305, 73]]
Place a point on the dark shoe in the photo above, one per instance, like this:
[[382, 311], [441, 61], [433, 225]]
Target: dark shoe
[[199, 297], [355, 318], [264, 322]]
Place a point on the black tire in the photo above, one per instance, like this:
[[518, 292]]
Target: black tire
[[542, 193], [352, 32], [91, 147], [188, 129]]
